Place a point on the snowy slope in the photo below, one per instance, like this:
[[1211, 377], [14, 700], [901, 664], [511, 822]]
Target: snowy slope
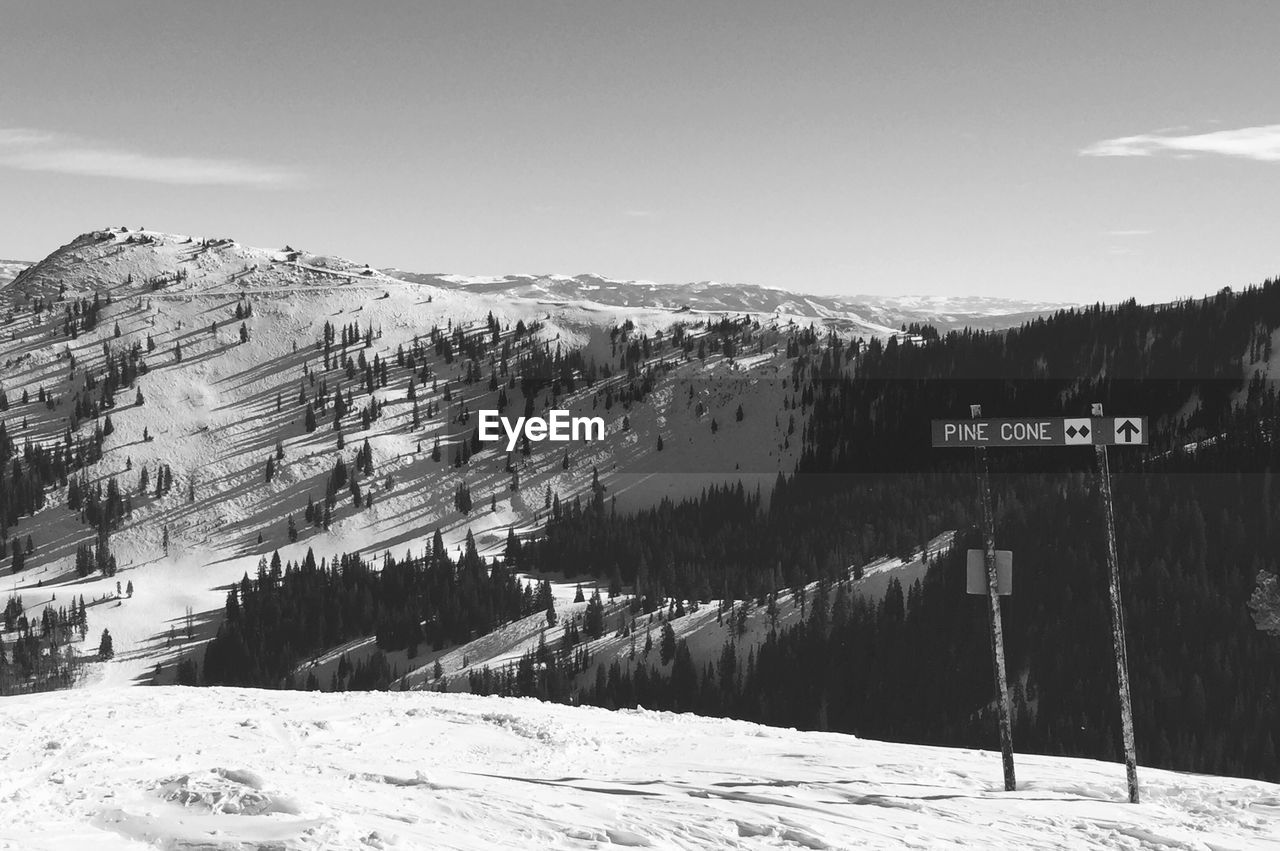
[[179, 768], [213, 418]]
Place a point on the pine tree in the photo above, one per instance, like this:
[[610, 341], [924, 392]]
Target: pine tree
[[667, 647], [462, 498], [547, 601], [593, 620], [105, 649]]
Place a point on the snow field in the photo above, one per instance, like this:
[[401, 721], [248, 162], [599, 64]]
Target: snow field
[[183, 768]]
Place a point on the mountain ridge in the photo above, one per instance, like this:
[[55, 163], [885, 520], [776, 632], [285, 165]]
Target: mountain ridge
[[868, 315]]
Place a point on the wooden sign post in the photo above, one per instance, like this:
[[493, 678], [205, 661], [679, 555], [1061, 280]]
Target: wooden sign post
[[993, 613], [1117, 613], [1096, 431]]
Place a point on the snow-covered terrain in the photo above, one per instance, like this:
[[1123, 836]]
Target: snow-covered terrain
[[215, 416], [868, 315], [214, 419], [179, 768], [108, 767]]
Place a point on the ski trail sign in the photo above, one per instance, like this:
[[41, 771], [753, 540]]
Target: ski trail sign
[[1042, 431], [1099, 432]]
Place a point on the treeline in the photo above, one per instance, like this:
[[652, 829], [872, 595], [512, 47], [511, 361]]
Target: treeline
[[916, 665], [290, 612], [727, 544], [1179, 364]]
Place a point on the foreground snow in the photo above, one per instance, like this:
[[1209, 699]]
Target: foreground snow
[[225, 768]]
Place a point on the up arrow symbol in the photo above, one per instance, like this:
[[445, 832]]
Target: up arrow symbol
[[1127, 430]]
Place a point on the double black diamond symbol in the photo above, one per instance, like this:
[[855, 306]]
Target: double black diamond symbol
[[1072, 431]]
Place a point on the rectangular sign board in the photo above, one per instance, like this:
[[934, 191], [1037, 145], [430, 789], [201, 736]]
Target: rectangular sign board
[[976, 580], [1042, 431]]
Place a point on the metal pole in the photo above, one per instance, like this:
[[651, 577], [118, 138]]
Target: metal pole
[[1117, 620], [993, 608]]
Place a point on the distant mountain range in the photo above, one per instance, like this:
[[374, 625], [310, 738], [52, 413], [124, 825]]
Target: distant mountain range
[[876, 314], [879, 315]]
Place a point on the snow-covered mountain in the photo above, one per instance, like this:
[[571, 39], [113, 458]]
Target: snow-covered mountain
[[214, 416], [181, 768], [867, 315], [860, 314]]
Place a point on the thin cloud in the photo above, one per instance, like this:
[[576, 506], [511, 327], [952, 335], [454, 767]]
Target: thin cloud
[[1254, 143], [1132, 232], [38, 150]]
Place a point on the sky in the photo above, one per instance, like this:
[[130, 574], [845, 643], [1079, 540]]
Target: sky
[[1052, 151]]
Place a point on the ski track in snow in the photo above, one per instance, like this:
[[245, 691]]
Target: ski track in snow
[[180, 768]]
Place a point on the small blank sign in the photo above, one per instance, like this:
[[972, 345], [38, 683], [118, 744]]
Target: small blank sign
[[977, 577]]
